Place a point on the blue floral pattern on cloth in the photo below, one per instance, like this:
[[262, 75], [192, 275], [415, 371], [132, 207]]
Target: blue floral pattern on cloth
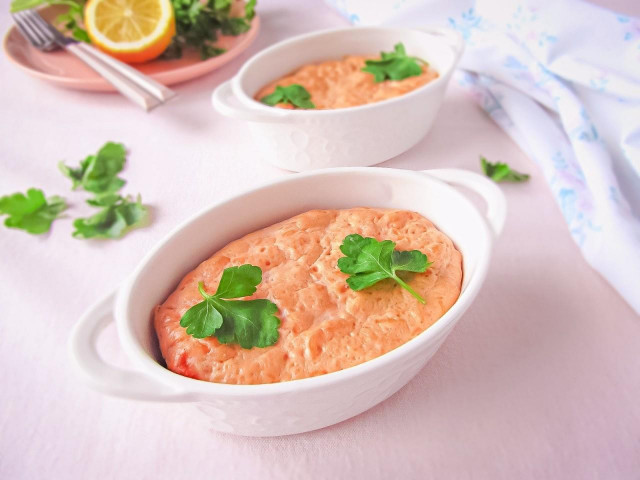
[[578, 171], [467, 23]]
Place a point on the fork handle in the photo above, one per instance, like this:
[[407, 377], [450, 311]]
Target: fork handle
[[156, 89], [128, 88]]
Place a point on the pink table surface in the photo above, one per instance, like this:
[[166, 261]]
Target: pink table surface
[[541, 379]]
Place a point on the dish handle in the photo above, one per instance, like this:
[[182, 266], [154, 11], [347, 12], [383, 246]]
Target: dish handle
[[226, 103], [102, 376], [488, 190]]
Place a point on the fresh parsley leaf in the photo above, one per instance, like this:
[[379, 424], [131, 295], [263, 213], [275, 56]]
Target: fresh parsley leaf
[[294, 94], [501, 172], [368, 261], [198, 23], [104, 200], [234, 26], [72, 19], [239, 281], [18, 5], [396, 65], [222, 4], [118, 216], [98, 173], [250, 10], [31, 212], [202, 320], [249, 323], [208, 51]]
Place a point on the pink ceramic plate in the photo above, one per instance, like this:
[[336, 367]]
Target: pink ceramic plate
[[63, 69]]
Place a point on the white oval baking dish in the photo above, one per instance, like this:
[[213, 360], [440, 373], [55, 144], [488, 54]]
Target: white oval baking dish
[[301, 140], [299, 405]]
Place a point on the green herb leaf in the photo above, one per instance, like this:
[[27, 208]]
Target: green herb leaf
[[234, 26], [80, 34], [221, 4], [202, 320], [31, 212], [368, 261], [118, 216], [97, 173], [104, 200], [239, 281], [294, 94], [209, 51], [198, 24], [501, 172], [250, 10], [249, 323], [18, 5], [396, 65]]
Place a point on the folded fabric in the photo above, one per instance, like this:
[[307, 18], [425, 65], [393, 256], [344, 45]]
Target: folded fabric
[[563, 80]]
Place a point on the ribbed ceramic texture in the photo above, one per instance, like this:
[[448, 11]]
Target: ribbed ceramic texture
[[297, 412]]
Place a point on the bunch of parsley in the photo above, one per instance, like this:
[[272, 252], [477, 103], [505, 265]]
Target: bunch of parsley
[[198, 24], [396, 65]]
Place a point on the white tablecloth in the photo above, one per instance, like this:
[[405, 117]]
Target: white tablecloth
[[539, 380]]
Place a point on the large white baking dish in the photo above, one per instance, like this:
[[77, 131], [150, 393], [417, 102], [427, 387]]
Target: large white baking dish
[[299, 405]]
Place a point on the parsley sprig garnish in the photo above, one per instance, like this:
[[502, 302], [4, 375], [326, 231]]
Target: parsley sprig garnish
[[396, 65], [368, 261], [32, 212], [293, 94], [501, 172], [249, 323]]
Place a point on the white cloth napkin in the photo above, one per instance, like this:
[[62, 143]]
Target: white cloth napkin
[[562, 78]]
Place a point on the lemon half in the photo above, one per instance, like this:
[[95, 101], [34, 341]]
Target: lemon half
[[133, 31]]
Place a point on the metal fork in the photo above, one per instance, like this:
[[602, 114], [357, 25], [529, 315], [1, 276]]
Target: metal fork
[[134, 85]]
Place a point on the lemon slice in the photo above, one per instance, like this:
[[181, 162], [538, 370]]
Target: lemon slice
[[132, 30]]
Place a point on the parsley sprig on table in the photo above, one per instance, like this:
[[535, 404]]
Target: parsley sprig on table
[[98, 174], [249, 323], [501, 172], [396, 65], [32, 212], [116, 217], [293, 94], [368, 261]]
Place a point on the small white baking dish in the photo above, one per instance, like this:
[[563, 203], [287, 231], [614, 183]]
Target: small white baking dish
[[301, 140], [299, 405]]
